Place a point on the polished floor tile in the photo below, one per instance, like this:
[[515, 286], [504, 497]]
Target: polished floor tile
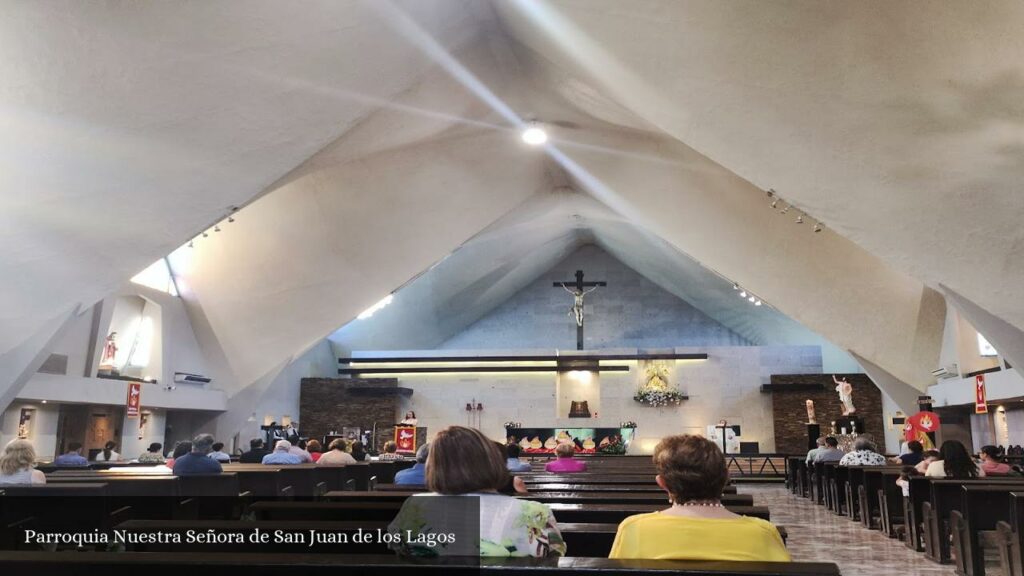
[[817, 535]]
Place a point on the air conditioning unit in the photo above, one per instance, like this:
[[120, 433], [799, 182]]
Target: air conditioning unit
[[946, 372], [186, 378]]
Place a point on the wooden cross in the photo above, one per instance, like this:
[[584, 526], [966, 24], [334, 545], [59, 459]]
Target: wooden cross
[[579, 291]]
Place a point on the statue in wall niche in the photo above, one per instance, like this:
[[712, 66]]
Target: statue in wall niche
[[109, 353], [845, 390], [810, 412]]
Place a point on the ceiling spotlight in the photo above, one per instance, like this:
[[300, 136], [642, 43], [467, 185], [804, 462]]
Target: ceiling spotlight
[[216, 228], [800, 219], [786, 209], [191, 244], [743, 294], [775, 203], [817, 226], [757, 303], [752, 299], [735, 286], [205, 235], [771, 192], [534, 135], [230, 219]]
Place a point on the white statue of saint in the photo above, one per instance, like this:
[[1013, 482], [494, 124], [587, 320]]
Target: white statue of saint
[[577, 307], [845, 390]]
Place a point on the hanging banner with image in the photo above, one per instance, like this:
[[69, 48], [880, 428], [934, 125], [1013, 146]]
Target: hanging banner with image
[[980, 404], [134, 404]]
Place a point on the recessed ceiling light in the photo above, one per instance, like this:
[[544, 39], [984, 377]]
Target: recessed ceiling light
[[534, 135]]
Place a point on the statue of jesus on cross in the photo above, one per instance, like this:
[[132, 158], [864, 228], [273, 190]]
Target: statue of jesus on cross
[[579, 289]]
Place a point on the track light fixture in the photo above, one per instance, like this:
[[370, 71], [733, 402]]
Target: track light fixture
[[230, 219], [777, 200], [817, 226], [785, 209], [205, 235], [800, 219], [216, 228], [746, 295], [191, 244], [743, 294]]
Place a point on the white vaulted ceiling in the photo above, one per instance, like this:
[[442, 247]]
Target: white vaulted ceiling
[[368, 140]]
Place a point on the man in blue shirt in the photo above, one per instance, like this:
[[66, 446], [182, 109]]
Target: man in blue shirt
[[415, 476], [72, 458], [198, 461], [514, 463], [281, 454]]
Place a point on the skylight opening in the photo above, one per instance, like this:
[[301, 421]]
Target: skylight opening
[[158, 277]]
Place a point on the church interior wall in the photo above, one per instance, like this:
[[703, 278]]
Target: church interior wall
[[726, 385]]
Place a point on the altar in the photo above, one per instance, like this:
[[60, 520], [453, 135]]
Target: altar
[[603, 441]]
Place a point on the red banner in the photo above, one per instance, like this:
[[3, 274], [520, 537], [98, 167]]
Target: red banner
[[405, 437], [134, 404], [980, 404]]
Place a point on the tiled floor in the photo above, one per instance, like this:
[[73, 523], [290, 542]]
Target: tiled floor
[[817, 535]]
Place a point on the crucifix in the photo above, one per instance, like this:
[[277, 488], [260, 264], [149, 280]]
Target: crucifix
[[578, 291]]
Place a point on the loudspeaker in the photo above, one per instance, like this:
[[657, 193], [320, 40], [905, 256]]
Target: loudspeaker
[[750, 447]]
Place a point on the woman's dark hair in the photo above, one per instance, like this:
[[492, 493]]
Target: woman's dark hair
[[358, 451], [915, 447], [182, 448], [337, 444], [108, 449], [691, 467], [957, 461], [218, 446], [301, 444], [832, 442], [992, 452], [155, 447], [462, 460]]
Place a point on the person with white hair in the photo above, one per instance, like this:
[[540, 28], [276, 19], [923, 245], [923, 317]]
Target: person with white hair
[[863, 454], [17, 464], [282, 454]]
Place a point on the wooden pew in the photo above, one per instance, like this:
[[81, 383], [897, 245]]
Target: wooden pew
[[947, 496], [213, 564], [587, 513], [1010, 537], [546, 497], [869, 505], [148, 496], [48, 508], [982, 507], [890, 503]]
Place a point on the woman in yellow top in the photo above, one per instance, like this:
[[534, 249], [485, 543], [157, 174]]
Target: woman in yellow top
[[696, 527]]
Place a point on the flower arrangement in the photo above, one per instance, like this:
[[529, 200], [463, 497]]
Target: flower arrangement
[[656, 391], [513, 425], [627, 424], [658, 398]]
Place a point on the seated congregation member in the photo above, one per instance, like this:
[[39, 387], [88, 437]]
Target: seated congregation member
[[863, 454], [512, 461], [415, 476], [219, 454], [564, 461], [359, 451], [813, 452], [17, 464], [255, 454], [180, 449], [336, 455], [696, 526], [904, 480], [152, 455], [108, 454], [927, 457], [390, 451], [464, 462], [198, 461], [72, 458], [992, 464], [954, 462], [914, 454], [315, 449], [282, 454], [299, 449], [831, 451]]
